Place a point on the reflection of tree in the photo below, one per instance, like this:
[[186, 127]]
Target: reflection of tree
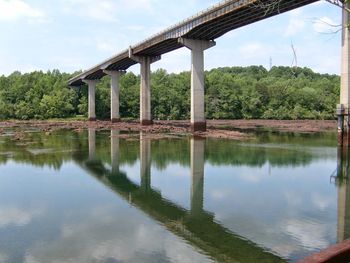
[[54, 149], [41, 150]]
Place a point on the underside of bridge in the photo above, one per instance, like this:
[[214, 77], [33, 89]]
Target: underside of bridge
[[196, 33]]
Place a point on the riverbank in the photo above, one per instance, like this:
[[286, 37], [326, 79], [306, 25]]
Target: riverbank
[[230, 129]]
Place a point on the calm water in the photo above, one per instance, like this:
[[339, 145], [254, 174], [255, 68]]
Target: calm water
[[106, 197]]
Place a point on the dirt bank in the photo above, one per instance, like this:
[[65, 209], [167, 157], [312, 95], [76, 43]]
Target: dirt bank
[[231, 129]]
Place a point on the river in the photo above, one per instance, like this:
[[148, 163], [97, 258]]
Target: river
[[110, 196]]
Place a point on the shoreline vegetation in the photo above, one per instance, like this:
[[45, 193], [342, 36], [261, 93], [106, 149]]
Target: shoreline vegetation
[[226, 129], [282, 93]]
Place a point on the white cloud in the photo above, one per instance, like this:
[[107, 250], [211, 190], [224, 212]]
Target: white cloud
[[296, 23], [176, 61], [325, 25], [106, 46], [136, 4], [106, 10], [103, 10], [252, 50], [12, 10], [9, 65]]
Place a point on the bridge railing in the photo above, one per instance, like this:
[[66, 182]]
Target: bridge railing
[[185, 26]]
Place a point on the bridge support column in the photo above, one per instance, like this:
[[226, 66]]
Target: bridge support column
[[92, 144], [343, 107], [91, 101], [145, 162], [343, 226], [115, 151], [197, 174], [145, 87], [115, 76], [343, 185], [197, 47]]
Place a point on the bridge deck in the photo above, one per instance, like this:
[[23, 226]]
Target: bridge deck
[[207, 25]]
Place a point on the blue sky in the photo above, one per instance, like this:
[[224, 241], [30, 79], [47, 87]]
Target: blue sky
[[70, 35]]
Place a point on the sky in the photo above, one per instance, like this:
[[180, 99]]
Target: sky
[[72, 35]]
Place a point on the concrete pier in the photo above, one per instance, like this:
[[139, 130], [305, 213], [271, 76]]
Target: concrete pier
[[115, 77], [91, 101], [145, 91], [115, 151], [343, 226], [145, 86], [343, 107], [92, 144], [145, 162], [197, 47], [197, 175], [343, 184]]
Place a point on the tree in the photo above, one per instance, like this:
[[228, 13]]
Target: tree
[[231, 93]]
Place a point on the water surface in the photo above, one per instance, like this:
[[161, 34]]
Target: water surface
[[106, 197]]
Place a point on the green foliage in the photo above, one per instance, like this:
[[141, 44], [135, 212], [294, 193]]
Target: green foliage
[[231, 93]]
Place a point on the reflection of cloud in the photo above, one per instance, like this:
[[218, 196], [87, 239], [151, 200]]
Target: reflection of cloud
[[293, 198], [3, 257], [106, 235], [218, 195], [311, 235], [17, 216], [285, 249], [222, 194], [251, 176], [322, 202]]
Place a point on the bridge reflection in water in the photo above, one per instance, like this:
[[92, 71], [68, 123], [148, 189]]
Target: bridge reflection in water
[[343, 184], [196, 225], [341, 251]]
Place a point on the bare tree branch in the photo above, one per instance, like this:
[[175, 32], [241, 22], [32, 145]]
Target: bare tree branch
[[272, 5], [340, 3], [268, 6], [333, 28]]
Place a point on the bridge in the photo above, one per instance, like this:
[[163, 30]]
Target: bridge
[[197, 33]]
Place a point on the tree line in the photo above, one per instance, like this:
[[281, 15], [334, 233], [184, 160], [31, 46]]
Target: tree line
[[231, 93]]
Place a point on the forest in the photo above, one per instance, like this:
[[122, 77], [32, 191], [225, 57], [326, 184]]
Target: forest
[[231, 93]]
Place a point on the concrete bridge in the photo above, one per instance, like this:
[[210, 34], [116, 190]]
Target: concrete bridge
[[197, 34], [216, 241]]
